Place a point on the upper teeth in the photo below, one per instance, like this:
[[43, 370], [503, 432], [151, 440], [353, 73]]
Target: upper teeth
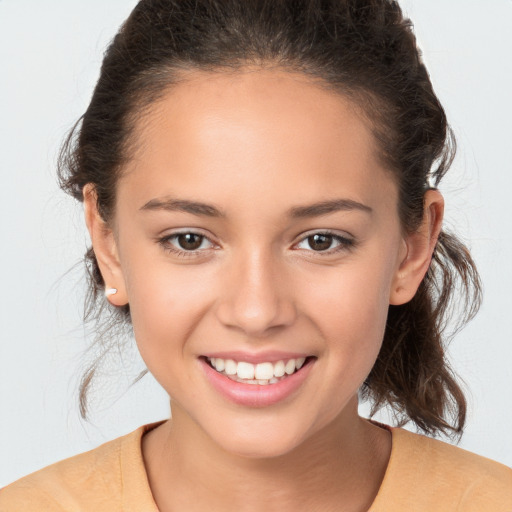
[[260, 371]]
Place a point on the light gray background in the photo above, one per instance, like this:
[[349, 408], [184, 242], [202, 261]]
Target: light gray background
[[50, 53]]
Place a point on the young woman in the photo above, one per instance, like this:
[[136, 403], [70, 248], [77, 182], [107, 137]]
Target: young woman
[[259, 181]]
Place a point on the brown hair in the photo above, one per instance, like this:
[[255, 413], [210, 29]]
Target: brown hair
[[365, 49]]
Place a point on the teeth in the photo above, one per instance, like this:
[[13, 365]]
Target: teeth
[[245, 370], [279, 369], [229, 366], [289, 367], [261, 373], [261, 382]]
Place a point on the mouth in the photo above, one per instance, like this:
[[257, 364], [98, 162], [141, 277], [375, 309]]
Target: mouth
[[262, 374]]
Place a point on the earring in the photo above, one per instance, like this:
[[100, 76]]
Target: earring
[[110, 291]]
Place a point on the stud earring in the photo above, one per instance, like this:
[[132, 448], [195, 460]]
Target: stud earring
[[110, 291]]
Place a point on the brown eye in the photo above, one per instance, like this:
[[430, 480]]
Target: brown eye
[[326, 243], [189, 241], [186, 244], [320, 241]]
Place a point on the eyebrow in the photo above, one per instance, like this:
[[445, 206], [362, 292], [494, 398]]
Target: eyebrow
[[296, 212]]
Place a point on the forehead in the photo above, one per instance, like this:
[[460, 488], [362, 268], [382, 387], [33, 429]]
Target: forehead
[[253, 132]]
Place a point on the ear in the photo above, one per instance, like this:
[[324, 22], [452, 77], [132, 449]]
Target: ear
[[105, 249], [419, 247]]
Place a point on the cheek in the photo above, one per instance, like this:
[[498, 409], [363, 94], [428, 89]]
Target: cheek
[[350, 309], [166, 302]]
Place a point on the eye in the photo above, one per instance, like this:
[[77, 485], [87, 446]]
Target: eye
[[188, 244], [185, 244], [322, 242]]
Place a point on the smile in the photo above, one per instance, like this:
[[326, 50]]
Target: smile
[[264, 373], [260, 383]]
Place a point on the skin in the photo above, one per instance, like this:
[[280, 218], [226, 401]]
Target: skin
[[255, 144]]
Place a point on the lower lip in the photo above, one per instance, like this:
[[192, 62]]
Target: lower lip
[[256, 395]]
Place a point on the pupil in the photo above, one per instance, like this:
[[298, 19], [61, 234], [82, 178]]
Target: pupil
[[322, 242], [187, 241]]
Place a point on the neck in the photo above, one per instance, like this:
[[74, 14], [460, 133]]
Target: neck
[[344, 463]]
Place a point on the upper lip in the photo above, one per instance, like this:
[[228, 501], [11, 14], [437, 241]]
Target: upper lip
[[271, 356]]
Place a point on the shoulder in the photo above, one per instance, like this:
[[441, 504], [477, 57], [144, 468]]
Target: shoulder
[[89, 481], [460, 466], [429, 474]]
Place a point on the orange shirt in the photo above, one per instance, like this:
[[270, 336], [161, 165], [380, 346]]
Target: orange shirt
[[423, 475]]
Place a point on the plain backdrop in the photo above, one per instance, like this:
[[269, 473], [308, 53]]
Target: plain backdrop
[[50, 54]]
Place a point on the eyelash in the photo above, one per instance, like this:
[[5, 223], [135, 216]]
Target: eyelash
[[344, 243]]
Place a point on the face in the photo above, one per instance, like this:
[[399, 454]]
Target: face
[[294, 253]]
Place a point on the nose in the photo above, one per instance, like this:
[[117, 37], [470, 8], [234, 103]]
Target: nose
[[256, 297]]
